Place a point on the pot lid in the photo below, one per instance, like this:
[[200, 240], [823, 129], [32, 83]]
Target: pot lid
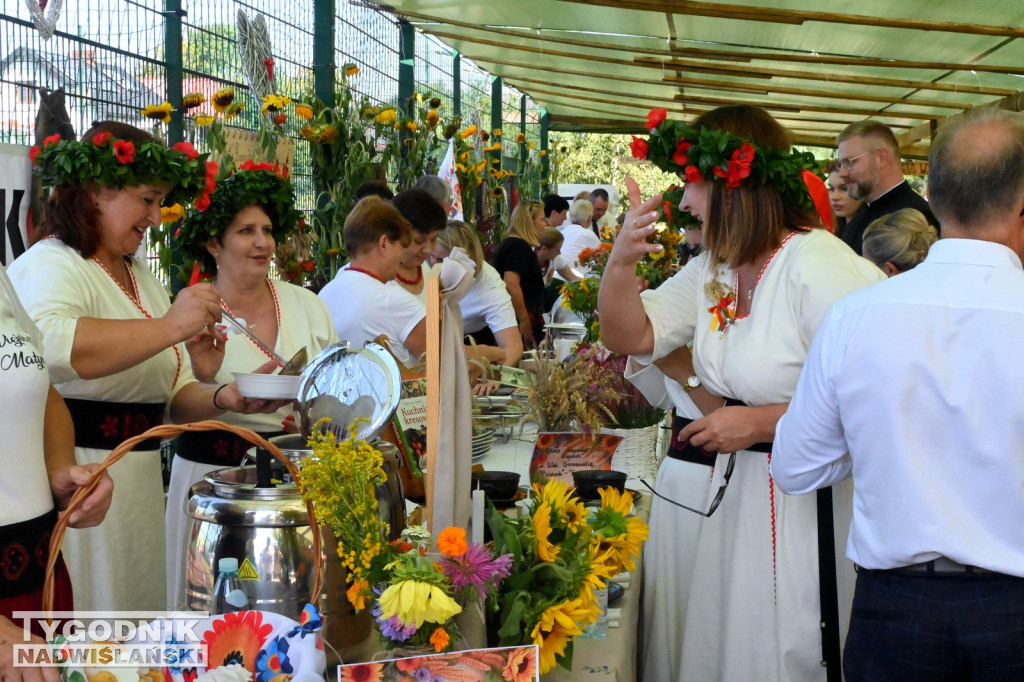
[[344, 384]]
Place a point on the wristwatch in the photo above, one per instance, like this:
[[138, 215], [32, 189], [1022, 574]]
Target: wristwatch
[[691, 383]]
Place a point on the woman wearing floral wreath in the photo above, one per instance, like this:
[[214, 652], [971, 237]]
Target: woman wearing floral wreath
[[750, 303], [250, 212], [113, 341]]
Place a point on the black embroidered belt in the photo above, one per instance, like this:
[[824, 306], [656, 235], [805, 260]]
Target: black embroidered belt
[[696, 455], [215, 447], [105, 425], [24, 550]]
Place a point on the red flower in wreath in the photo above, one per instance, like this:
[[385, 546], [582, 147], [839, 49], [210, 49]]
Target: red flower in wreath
[[237, 638], [33, 153], [124, 151], [666, 208], [52, 139], [187, 149], [680, 157], [203, 202], [100, 139], [638, 147], [655, 118], [692, 174], [739, 165]]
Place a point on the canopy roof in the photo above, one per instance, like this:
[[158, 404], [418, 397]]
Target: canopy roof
[[600, 65]]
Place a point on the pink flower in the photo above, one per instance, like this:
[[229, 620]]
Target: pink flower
[[476, 570]]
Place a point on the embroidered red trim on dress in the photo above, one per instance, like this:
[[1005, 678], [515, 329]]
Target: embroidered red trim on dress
[[761, 273], [277, 313]]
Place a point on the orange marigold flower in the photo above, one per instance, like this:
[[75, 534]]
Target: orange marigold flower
[[440, 640], [452, 542]]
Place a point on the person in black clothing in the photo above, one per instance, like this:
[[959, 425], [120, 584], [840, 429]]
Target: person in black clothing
[[555, 210], [517, 264], [869, 163]]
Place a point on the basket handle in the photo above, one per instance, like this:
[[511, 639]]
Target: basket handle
[[166, 431]]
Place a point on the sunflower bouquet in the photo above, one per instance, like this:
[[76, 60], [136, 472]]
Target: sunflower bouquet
[[412, 595], [562, 553]]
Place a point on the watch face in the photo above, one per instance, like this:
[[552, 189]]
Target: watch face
[[693, 382]]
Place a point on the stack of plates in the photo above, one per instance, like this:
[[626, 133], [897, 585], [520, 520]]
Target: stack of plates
[[482, 441]]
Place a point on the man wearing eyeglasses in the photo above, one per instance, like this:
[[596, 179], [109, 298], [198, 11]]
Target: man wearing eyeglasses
[[869, 163], [914, 387]]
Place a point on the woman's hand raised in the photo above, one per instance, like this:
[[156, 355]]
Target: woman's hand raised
[[631, 245], [195, 309]]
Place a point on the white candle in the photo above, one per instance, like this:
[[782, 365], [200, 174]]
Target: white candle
[[478, 516]]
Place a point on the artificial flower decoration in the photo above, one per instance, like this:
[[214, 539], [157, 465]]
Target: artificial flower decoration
[[222, 99], [192, 100], [718, 155], [158, 112]]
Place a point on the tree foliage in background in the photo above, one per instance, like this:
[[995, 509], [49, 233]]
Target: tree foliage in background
[[593, 158]]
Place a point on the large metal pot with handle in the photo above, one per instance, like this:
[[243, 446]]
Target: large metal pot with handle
[[257, 516]]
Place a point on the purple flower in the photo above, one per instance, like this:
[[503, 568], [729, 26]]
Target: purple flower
[[422, 674], [476, 570], [391, 628]]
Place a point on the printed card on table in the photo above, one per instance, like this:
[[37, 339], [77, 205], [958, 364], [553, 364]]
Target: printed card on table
[[557, 455], [518, 664]]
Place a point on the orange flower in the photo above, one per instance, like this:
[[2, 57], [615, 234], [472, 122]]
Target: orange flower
[[357, 594], [362, 672], [452, 542], [521, 666], [440, 640]]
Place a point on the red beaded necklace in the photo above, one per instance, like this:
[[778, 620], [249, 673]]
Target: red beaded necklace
[[416, 280], [137, 300], [277, 313], [365, 272]]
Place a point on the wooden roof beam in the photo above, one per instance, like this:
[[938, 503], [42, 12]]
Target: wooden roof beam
[[788, 16], [865, 113]]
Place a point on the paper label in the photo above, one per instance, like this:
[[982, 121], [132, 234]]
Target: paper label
[[557, 455]]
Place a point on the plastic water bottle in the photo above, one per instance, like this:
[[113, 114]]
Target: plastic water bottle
[[599, 630], [227, 593]]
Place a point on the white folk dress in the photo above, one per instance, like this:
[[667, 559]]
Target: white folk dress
[[120, 563], [753, 605], [305, 321]]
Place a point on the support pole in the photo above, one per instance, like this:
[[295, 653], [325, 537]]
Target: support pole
[[175, 72], [496, 117], [545, 161], [324, 68], [456, 83]]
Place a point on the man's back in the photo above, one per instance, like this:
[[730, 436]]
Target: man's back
[[924, 371]]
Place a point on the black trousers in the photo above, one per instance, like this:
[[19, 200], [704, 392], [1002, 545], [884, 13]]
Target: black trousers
[[921, 628]]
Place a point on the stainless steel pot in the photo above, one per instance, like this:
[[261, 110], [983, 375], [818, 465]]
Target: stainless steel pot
[[267, 530]]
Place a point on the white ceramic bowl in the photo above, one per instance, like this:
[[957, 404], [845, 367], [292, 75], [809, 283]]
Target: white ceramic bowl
[[267, 386]]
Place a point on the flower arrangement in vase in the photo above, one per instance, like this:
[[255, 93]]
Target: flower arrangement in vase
[[562, 552], [413, 595]]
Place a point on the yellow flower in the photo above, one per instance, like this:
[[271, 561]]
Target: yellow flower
[[459, 167], [171, 214], [556, 627], [435, 102], [542, 528], [411, 126], [440, 640], [304, 111], [158, 112], [480, 166], [496, 161], [531, 145], [471, 130], [416, 602], [543, 152], [520, 138], [222, 99], [432, 118], [496, 132], [192, 100], [575, 514], [493, 147], [464, 157], [357, 594], [556, 493], [203, 120], [233, 110], [273, 103], [387, 117], [350, 70]]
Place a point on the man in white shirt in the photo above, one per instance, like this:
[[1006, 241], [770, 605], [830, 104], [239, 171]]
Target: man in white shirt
[[914, 386], [577, 236]]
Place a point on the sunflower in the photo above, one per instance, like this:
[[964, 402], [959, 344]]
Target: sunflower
[[171, 214], [304, 111], [556, 627], [471, 130], [543, 152], [203, 120], [192, 100], [432, 118], [350, 70], [233, 110], [464, 157], [387, 117], [223, 98], [411, 126], [480, 166], [622, 534], [541, 518], [531, 145], [575, 514], [274, 103], [496, 132], [520, 138], [158, 112], [556, 493], [493, 147], [434, 102]]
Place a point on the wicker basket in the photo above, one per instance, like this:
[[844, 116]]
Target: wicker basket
[[638, 454], [167, 431]]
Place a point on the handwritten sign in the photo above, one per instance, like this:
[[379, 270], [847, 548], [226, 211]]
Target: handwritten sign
[[557, 455]]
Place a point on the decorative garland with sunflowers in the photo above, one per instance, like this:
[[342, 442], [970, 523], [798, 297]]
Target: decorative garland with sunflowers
[[717, 155], [264, 184], [106, 161]]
